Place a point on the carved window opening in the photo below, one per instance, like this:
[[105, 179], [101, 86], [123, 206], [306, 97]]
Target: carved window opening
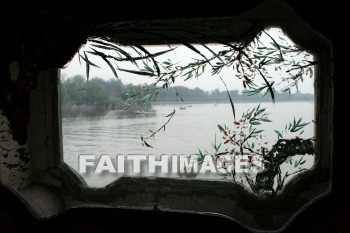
[[103, 119]]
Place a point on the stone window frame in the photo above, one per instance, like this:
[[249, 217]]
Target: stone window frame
[[52, 187]]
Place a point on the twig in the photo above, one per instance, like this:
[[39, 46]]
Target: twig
[[304, 66], [163, 126]]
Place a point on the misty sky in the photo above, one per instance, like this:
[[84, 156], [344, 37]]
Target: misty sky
[[182, 55]]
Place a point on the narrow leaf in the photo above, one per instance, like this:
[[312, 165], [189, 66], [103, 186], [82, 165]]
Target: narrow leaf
[[269, 86], [214, 54], [146, 97], [255, 123], [144, 73], [278, 134], [221, 128], [87, 70], [150, 55], [229, 96], [257, 131], [110, 66], [148, 145]]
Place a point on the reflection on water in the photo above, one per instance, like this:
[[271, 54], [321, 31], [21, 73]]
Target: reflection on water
[[85, 113], [119, 132], [118, 114]]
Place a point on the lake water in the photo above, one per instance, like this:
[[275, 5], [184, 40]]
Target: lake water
[[195, 127]]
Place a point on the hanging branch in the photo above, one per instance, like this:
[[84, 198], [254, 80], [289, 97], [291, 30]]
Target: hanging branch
[[229, 96], [171, 115]]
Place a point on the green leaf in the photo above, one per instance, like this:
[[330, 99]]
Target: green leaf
[[279, 135], [189, 75], [110, 66], [298, 162], [214, 54], [248, 115], [257, 131], [304, 124], [255, 123], [220, 128], [232, 106], [194, 49], [144, 73], [118, 49], [147, 68], [150, 55], [146, 97], [229, 96], [104, 47], [311, 72], [257, 109], [87, 63], [148, 145], [87, 68], [87, 60], [269, 86], [260, 111], [299, 121], [171, 114]]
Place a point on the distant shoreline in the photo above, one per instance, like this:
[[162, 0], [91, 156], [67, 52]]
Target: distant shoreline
[[87, 108], [224, 102]]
